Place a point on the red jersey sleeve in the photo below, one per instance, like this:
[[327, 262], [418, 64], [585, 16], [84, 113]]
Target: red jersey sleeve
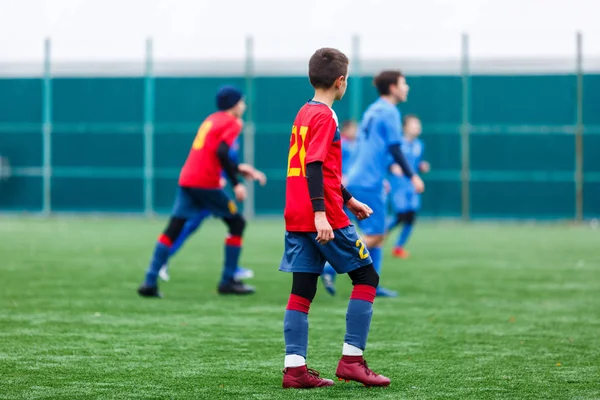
[[231, 131], [322, 131]]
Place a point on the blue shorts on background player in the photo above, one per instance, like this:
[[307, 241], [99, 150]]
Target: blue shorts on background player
[[405, 200], [380, 135]]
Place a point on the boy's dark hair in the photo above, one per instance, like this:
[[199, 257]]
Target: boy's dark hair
[[386, 78], [325, 66], [408, 117]]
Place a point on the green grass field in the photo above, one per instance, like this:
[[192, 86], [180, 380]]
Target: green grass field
[[486, 311]]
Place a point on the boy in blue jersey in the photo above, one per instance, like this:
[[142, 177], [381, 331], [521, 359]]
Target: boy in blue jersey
[[380, 136], [348, 133], [405, 200], [194, 223]]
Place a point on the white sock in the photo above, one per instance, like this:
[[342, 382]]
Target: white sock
[[294, 360], [349, 350]]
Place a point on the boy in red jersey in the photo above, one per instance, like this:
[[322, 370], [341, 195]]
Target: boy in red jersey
[[318, 230], [200, 191]]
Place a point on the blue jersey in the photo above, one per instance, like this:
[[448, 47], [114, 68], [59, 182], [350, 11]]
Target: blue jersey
[[348, 155], [413, 153], [380, 128]]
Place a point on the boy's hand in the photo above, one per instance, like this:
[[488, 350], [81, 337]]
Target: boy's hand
[[418, 183], [361, 210], [396, 170], [248, 171], [424, 167], [324, 231], [240, 192]]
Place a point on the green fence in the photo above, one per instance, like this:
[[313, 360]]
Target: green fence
[[508, 145]]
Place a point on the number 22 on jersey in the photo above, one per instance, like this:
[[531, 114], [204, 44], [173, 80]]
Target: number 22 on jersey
[[297, 154], [201, 135]]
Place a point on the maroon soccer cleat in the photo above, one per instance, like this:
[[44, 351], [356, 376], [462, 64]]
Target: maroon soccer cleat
[[303, 378], [354, 368]]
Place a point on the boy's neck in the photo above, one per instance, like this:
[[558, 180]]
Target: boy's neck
[[324, 96], [390, 99]]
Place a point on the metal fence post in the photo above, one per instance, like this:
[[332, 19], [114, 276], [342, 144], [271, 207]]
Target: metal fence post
[[465, 129], [249, 127], [579, 132], [149, 100], [356, 78], [47, 130]]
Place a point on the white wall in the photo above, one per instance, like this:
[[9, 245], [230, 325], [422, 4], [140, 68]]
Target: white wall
[[192, 29]]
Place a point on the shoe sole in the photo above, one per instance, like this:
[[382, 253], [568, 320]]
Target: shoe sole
[[151, 296], [342, 379], [237, 293], [308, 388]]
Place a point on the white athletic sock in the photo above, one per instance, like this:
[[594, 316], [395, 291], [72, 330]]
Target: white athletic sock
[[294, 360], [349, 350]]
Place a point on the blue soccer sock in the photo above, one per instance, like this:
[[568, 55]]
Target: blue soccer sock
[[190, 227], [404, 235], [233, 248], [376, 256], [358, 319], [295, 326], [160, 256]]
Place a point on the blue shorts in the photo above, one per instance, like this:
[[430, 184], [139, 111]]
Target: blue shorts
[[375, 224], [404, 200], [346, 252], [189, 202]]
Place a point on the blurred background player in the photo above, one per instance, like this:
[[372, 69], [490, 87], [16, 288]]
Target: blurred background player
[[193, 223], [200, 189], [348, 133], [318, 230], [380, 135], [405, 200]]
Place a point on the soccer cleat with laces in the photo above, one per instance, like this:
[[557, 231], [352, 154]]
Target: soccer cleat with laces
[[303, 378], [354, 368]]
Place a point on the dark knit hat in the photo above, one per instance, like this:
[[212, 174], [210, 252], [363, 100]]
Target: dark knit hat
[[227, 97]]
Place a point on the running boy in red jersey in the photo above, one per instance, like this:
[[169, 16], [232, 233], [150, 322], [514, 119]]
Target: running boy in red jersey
[[318, 230], [200, 191]]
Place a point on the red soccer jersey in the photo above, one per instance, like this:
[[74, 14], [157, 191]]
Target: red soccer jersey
[[315, 137], [202, 169]]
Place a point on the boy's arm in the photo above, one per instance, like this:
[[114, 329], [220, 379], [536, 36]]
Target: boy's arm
[[392, 132], [346, 195], [396, 152], [316, 189], [229, 166]]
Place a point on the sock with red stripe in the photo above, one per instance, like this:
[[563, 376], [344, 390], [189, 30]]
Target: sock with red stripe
[[358, 319], [295, 330], [160, 257], [233, 248]]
